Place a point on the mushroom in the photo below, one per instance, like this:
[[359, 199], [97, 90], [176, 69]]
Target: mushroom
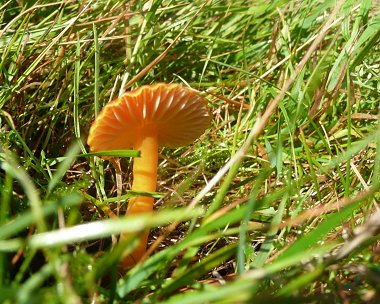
[[166, 115]]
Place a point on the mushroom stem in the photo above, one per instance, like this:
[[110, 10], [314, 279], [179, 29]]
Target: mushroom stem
[[144, 179]]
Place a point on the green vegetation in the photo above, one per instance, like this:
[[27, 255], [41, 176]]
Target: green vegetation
[[277, 202]]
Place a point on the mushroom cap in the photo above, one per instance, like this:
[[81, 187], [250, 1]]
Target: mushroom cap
[[175, 114]]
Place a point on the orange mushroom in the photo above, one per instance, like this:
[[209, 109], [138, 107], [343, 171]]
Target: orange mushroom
[[143, 119]]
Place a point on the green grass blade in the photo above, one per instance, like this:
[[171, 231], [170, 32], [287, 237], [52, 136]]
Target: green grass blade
[[23, 220], [198, 270], [312, 238], [113, 153]]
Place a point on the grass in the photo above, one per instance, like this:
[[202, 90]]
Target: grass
[[278, 200]]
